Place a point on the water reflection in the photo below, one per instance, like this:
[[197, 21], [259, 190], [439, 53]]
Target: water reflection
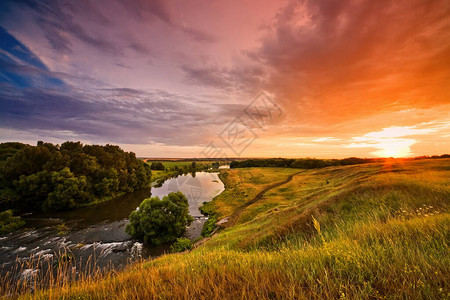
[[200, 188]]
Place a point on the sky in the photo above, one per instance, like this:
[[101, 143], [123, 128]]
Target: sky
[[201, 78]]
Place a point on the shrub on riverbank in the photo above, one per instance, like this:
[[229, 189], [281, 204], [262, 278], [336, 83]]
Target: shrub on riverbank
[[209, 226], [159, 221], [181, 244], [9, 223], [157, 166]]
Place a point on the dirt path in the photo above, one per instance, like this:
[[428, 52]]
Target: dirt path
[[237, 213], [235, 216]]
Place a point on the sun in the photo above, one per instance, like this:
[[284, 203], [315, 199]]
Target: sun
[[394, 147]]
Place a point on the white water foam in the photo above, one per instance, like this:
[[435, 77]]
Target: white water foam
[[42, 252], [20, 249], [136, 251], [106, 248]]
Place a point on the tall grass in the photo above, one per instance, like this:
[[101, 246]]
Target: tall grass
[[44, 271], [394, 260]]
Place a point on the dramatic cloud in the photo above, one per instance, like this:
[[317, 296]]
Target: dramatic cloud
[[352, 77], [33, 98], [340, 60]]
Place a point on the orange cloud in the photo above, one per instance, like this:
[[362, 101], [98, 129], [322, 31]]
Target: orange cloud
[[344, 60]]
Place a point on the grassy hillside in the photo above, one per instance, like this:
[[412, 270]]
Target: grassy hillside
[[367, 231]]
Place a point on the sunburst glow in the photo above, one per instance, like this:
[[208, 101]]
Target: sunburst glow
[[394, 148], [391, 141]]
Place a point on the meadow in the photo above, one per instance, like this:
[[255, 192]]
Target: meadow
[[370, 231], [174, 163]]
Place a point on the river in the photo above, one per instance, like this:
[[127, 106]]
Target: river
[[97, 233]]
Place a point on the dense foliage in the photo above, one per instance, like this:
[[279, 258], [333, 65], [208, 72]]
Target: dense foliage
[[9, 149], [313, 163], [209, 226], [8, 222], [181, 244], [302, 163], [158, 221], [156, 165], [54, 177]]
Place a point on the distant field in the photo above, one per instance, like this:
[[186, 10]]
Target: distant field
[[378, 230], [172, 164]]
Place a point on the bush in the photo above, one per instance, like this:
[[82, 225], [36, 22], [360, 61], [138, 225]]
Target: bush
[[9, 223], [62, 229], [181, 244], [157, 166], [160, 221], [209, 226]]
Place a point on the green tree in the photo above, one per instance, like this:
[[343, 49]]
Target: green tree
[[33, 189], [9, 149], [143, 175], [160, 221], [106, 182], [9, 198], [156, 165], [68, 191], [57, 162], [71, 147]]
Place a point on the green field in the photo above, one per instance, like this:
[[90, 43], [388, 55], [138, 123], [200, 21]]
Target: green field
[[174, 163], [370, 231]]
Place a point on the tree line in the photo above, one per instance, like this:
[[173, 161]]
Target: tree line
[[302, 163], [53, 177], [313, 163]]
